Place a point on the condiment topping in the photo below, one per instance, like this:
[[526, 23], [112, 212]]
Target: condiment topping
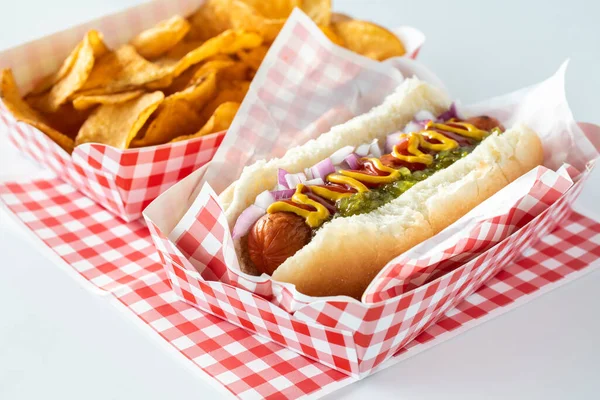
[[374, 183], [314, 218]]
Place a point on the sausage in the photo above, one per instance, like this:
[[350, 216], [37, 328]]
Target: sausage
[[485, 123], [276, 237]]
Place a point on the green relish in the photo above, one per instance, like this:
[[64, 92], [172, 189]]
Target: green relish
[[361, 203]]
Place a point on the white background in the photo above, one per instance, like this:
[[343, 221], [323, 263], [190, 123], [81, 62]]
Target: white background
[[57, 340]]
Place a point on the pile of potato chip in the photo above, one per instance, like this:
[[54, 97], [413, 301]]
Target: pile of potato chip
[[182, 79]]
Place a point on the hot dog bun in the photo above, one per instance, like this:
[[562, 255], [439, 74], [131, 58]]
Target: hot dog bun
[[392, 115], [346, 253]]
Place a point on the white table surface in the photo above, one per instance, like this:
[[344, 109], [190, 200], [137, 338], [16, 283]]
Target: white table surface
[[55, 335]]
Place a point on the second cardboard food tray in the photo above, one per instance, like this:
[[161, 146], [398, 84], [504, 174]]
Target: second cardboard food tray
[[124, 181]]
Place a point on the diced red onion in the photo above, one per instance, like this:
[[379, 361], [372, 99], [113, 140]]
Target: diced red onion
[[246, 220], [322, 169], [374, 149], [391, 140], [316, 181], [264, 200], [451, 113], [282, 194], [339, 156], [415, 126], [322, 201], [424, 115], [293, 180], [363, 149], [352, 161], [281, 173]]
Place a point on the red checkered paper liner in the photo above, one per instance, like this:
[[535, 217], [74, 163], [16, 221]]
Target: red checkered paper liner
[[124, 266], [122, 181]]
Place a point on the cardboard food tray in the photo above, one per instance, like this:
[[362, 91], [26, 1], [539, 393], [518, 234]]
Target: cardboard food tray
[[285, 107]]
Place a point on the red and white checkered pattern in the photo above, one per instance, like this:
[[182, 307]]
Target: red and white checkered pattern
[[123, 181], [243, 363], [282, 109], [421, 265], [305, 86], [347, 335]]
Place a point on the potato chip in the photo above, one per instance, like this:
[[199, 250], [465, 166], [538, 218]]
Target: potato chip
[[22, 112], [225, 70], [369, 39], [84, 102], [247, 18], [237, 72], [121, 70], [210, 20], [92, 47], [179, 51], [274, 9], [227, 91], [179, 113], [199, 93], [159, 39], [253, 57], [211, 67], [117, 124], [219, 121], [67, 119], [229, 42], [318, 10], [176, 119], [190, 75], [331, 35], [339, 17]]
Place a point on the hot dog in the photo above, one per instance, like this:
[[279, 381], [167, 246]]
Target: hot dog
[[331, 213]]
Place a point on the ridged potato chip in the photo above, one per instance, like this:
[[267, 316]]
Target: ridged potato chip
[[228, 42], [211, 67], [179, 114], [67, 120], [219, 121], [247, 18], [234, 91], [253, 57], [318, 10], [159, 39], [84, 102], [331, 35], [369, 39], [274, 9], [92, 47], [339, 17], [199, 93], [121, 70], [117, 124], [210, 20], [9, 93], [176, 118]]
